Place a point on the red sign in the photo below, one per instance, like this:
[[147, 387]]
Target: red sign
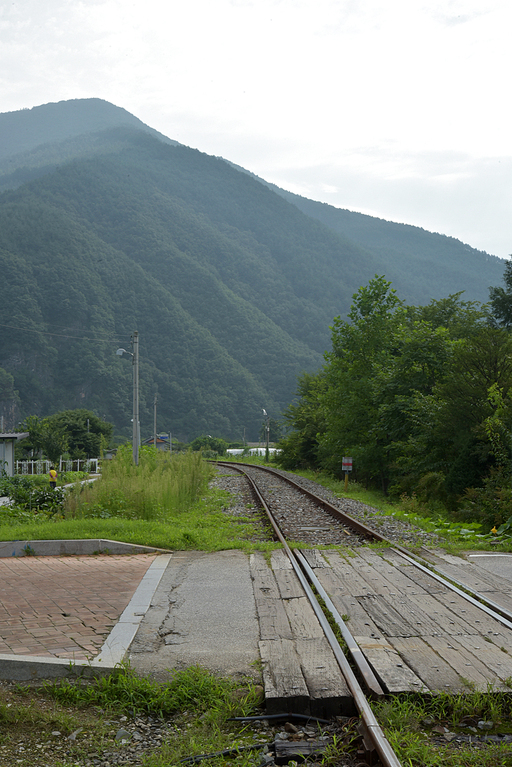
[[346, 464]]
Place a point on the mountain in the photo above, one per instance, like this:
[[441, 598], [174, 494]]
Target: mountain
[[106, 227]]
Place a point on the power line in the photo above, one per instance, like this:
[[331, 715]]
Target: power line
[[61, 335]]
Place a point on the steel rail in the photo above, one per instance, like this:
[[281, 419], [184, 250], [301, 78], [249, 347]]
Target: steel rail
[[473, 597], [369, 721], [482, 601], [328, 507], [371, 681]]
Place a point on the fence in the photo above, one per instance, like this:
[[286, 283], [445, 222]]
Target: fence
[[91, 466]]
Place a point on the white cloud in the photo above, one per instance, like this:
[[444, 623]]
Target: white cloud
[[384, 97]]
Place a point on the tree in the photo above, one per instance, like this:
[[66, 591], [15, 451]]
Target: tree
[[357, 373], [86, 433], [501, 300], [207, 443], [44, 440], [79, 432], [299, 449]]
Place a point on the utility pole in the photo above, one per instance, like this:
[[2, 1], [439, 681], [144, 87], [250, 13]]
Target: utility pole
[[135, 433], [154, 420], [267, 429], [135, 362]]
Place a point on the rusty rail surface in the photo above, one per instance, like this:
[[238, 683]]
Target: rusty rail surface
[[371, 730], [482, 601]]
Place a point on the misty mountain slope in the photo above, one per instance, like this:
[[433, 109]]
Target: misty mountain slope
[[107, 227], [28, 129], [422, 265]]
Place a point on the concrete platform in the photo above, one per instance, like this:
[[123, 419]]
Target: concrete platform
[[203, 613], [80, 614], [64, 616]]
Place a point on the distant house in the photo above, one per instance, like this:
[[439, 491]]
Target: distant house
[[162, 441], [7, 442]]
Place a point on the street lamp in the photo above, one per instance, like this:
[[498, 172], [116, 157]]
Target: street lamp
[[267, 429], [135, 362]]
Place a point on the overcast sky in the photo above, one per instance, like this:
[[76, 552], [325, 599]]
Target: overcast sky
[[396, 108]]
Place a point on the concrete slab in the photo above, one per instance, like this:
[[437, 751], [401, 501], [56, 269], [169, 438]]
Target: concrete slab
[[495, 562], [77, 547], [39, 617], [203, 613]]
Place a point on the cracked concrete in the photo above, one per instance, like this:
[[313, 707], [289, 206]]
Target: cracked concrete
[[203, 613]]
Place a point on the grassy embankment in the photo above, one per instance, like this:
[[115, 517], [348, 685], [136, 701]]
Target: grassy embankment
[[456, 535], [163, 502], [168, 504]]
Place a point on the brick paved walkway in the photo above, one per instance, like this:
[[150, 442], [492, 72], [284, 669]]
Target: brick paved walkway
[[64, 607]]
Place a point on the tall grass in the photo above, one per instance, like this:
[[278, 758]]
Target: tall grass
[[160, 486]]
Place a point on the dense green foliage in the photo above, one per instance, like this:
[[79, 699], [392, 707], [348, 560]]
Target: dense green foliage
[[107, 227], [159, 486], [79, 434], [420, 397]]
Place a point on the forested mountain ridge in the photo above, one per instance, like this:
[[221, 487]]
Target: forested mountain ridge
[[28, 129], [419, 263], [111, 228]]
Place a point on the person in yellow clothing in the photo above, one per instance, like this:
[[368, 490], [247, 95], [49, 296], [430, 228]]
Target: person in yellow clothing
[[53, 477]]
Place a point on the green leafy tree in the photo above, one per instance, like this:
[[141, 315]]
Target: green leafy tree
[[79, 432], [501, 300], [206, 443], [305, 418], [85, 432], [357, 374], [396, 391]]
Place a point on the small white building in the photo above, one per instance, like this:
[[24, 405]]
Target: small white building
[[7, 451], [252, 451]]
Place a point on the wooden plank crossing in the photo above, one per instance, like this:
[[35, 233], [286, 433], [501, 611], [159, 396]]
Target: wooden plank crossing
[[300, 672], [414, 631]]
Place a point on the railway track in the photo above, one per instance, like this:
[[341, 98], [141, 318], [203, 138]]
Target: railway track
[[404, 616]]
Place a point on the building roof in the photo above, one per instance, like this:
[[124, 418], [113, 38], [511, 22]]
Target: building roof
[[14, 435]]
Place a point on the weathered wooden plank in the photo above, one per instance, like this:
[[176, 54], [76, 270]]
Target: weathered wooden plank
[[314, 558], [415, 614], [423, 580], [328, 691], [264, 583], [464, 663], [396, 579], [350, 582], [272, 616], [375, 580], [302, 618], [374, 571], [284, 683], [279, 560], [286, 578], [502, 639], [390, 621], [273, 620], [480, 622], [392, 671], [497, 661], [469, 573], [449, 622], [501, 598], [435, 672], [359, 622], [288, 584], [472, 577]]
